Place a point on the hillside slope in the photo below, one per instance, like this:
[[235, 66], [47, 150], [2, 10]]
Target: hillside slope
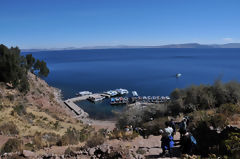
[[38, 111]]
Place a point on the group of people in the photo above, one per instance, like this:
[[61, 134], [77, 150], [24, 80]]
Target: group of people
[[187, 141]]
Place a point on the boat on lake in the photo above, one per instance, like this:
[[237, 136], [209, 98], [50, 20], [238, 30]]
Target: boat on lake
[[96, 99], [122, 91], [134, 93], [119, 100], [112, 93], [84, 93], [178, 75]]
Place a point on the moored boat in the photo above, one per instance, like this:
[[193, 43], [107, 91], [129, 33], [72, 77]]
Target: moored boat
[[122, 91], [84, 93], [134, 93], [112, 93], [96, 99]]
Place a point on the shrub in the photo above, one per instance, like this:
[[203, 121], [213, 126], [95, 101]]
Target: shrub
[[140, 151], [37, 141], [218, 121], [153, 127], [10, 97], [69, 151], [136, 116], [95, 140], [50, 138], [229, 109], [233, 144], [12, 145], [73, 136], [9, 129], [204, 96], [20, 110]]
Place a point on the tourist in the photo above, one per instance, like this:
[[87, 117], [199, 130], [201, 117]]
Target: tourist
[[167, 142], [173, 125], [188, 143], [183, 127]]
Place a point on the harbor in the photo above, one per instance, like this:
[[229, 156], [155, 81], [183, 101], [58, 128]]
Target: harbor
[[117, 97]]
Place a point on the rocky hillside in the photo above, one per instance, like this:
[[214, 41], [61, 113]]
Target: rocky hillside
[[40, 111]]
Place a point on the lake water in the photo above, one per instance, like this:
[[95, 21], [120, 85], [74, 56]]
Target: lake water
[[148, 71]]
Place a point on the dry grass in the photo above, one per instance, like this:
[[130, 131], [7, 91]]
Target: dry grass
[[42, 113]]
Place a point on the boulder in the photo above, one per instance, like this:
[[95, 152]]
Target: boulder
[[27, 153], [104, 148], [91, 151]]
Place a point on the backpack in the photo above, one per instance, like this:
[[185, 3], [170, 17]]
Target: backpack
[[193, 140]]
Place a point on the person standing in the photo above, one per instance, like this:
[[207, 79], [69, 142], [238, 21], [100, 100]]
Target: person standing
[[167, 142], [173, 125], [183, 127]]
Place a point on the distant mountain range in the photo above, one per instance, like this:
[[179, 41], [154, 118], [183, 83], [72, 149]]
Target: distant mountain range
[[187, 45]]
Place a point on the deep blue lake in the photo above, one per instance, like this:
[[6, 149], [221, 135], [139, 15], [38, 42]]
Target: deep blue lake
[[148, 71]]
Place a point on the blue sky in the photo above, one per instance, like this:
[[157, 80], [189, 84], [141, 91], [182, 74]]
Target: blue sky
[[77, 23]]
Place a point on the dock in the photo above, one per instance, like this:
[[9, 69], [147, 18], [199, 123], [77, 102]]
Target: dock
[[76, 109]]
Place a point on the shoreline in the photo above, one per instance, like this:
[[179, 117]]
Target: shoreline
[[97, 124]]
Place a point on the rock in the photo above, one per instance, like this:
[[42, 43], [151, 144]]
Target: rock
[[91, 151], [28, 153], [104, 148], [139, 156]]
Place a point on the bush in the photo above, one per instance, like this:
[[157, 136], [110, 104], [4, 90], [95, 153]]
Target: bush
[[37, 141], [12, 145], [95, 140], [233, 144], [153, 127], [137, 116], [120, 134], [20, 110], [229, 109], [9, 129], [204, 96], [218, 121], [10, 97], [50, 138], [69, 151], [73, 136], [140, 151]]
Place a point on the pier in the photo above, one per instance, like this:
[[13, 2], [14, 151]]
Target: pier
[[79, 111]]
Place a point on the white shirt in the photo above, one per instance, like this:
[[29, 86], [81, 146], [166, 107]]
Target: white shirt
[[168, 131]]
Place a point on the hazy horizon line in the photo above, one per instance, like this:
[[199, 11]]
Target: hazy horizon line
[[129, 46]]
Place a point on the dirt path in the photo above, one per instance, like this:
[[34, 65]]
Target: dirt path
[[3, 140], [151, 145]]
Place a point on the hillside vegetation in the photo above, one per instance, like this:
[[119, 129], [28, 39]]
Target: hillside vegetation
[[14, 68], [31, 112], [213, 110]]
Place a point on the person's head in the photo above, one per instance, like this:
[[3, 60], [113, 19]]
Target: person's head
[[184, 131], [166, 123], [161, 131]]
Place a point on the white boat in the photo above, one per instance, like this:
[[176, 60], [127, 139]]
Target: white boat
[[96, 99], [178, 75], [112, 93], [122, 91], [134, 93], [84, 93]]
